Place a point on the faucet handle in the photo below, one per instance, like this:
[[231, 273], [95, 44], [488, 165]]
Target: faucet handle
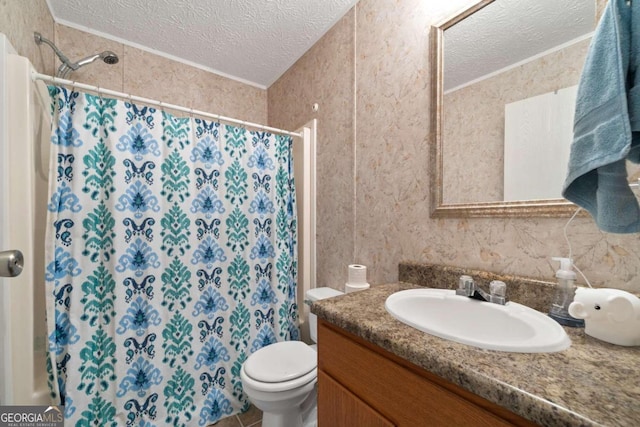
[[498, 291], [466, 286]]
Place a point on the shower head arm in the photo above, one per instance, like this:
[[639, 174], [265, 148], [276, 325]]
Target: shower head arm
[[65, 61], [87, 60], [67, 66], [65, 69]]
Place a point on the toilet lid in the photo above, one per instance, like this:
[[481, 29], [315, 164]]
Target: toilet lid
[[282, 361]]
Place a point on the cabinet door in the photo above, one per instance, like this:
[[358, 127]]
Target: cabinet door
[[407, 395], [338, 407]]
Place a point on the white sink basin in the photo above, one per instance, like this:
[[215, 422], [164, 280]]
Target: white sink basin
[[512, 327]]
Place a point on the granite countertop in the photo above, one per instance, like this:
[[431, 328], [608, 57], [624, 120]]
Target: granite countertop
[[591, 383]]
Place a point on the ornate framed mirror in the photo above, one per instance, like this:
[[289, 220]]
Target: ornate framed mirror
[[503, 79]]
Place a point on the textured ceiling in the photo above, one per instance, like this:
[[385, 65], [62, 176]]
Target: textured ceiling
[[254, 41], [509, 31]]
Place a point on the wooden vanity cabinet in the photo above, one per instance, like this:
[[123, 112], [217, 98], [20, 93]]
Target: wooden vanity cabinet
[[360, 384]]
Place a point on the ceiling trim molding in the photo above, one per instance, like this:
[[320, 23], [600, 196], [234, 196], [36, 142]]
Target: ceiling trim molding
[[240, 32], [153, 51]]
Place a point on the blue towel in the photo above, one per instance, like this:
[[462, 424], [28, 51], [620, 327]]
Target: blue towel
[[607, 122]]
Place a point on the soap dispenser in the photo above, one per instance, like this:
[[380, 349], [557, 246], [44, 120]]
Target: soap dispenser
[[565, 293]]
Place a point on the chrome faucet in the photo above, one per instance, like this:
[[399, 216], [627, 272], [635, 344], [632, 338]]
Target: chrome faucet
[[468, 288]]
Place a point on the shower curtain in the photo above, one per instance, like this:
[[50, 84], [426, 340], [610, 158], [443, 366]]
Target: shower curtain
[[170, 257]]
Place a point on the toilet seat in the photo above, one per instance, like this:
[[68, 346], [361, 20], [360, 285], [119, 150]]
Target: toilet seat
[[281, 366], [248, 382]]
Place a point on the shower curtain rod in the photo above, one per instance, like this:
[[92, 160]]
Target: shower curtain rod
[[56, 80]]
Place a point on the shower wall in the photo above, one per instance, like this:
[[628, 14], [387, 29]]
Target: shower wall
[[18, 21], [145, 74], [138, 72]]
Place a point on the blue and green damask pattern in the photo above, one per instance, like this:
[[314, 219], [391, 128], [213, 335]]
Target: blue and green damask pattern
[[171, 256]]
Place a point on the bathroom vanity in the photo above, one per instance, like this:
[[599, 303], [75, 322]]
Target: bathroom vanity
[[376, 371], [360, 384]]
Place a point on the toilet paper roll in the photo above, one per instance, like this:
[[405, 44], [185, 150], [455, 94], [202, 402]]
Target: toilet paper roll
[[357, 274], [350, 287]]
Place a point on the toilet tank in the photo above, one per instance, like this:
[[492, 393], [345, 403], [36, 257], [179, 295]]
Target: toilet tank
[[314, 295]]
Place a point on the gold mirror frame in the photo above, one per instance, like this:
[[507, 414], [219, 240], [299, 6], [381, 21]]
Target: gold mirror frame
[[526, 208]]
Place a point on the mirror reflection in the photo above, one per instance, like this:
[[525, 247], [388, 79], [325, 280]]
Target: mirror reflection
[[509, 78]]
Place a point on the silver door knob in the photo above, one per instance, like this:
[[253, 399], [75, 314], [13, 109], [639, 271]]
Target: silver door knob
[[11, 263]]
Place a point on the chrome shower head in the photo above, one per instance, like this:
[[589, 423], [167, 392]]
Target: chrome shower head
[[109, 57], [66, 67]]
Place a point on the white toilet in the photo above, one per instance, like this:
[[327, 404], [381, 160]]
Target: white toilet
[[280, 379]]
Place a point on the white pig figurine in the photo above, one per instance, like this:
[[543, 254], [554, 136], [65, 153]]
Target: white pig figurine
[[609, 315]]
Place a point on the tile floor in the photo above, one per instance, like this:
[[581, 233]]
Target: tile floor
[[251, 418]]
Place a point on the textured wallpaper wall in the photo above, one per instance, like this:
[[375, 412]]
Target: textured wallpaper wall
[[138, 72], [373, 177], [391, 181], [324, 75], [18, 21]]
